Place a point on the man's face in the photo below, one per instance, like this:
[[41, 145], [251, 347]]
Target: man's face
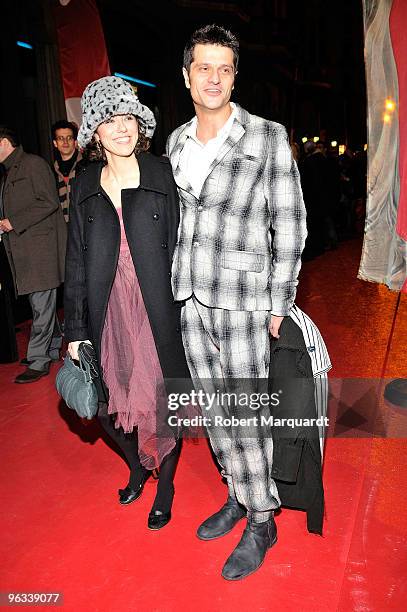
[[4, 149], [211, 76], [65, 142]]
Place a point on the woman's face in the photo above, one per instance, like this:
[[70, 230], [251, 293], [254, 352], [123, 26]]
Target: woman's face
[[118, 135]]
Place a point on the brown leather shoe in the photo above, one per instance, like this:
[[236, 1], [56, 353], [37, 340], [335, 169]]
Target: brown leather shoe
[[29, 375]]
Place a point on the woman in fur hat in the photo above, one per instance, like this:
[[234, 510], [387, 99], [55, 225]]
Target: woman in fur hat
[[122, 234]]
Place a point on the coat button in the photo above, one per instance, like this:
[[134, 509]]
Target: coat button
[[164, 245], [99, 195], [156, 216], [85, 247], [90, 219]]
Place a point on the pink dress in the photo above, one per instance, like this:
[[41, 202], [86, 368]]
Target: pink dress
[[130, 365]]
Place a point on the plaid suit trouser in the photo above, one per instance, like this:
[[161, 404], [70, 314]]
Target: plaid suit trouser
[[230, 348]]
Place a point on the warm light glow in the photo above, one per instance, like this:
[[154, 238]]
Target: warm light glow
[[386, 118], [316, 138], [334, 143], [365, 147], [390, 105], [305, 139], [342, 149]]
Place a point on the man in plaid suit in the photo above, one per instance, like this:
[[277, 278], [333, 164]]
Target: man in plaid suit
[[241, 235]]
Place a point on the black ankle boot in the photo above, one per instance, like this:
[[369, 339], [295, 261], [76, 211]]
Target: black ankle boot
[[133, 491], [249, 554], [223, 521]]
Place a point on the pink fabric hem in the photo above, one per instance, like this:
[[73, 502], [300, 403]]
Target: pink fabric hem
[[130, 364]]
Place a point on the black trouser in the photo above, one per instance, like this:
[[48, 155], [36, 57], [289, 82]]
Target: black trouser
[[128, 444]]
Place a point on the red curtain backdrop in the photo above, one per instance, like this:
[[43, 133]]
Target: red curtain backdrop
[[82, 48], [398, 22]]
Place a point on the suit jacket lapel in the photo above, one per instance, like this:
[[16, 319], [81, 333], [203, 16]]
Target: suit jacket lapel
[[235, 135], [180, 179], [13, 169]]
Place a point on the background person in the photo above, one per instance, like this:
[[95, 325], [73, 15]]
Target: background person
[[8, 342], [34, 239], [68, 160], [313, 170]]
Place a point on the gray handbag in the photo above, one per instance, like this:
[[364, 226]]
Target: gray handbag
[[75, 385]]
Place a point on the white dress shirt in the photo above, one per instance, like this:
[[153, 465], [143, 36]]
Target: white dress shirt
[[196, 157]]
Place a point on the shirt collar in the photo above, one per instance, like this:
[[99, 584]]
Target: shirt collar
[[223, 132]]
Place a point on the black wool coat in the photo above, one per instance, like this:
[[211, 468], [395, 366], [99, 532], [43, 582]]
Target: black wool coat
[[297, 466], [151, 218]]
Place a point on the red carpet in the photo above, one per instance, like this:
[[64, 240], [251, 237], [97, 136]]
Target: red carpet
[[63, 530]]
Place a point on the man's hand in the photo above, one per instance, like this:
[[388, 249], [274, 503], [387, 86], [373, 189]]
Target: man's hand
[[5, 225], [274, 325]]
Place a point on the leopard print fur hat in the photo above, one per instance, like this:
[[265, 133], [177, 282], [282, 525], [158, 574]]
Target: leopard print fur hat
[[107, 97]]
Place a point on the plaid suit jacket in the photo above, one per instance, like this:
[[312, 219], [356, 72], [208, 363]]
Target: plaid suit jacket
[[239, 245]]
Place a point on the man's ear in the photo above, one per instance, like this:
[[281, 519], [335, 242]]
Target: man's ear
[[186, 78], [55, 144]]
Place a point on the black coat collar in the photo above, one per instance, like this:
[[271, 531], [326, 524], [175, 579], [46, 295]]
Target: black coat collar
[[14, 158], [152, 176]]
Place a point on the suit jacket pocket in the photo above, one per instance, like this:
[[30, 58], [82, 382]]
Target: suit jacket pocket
[[39, 231], [243, 260]]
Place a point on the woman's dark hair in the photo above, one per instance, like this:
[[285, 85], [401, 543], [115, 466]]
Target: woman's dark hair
[[95, 152], [63, 124], [211, 35], [6, 132]]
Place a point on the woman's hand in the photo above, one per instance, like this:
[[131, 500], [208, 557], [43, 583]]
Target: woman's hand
[[73, 348]]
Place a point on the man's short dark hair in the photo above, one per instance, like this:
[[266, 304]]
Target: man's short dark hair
[[6, 132], [211, 35], [63, 124]]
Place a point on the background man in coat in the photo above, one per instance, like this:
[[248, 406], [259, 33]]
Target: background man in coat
[[34, 236], [8, 344], [237, 180], [68, 160]]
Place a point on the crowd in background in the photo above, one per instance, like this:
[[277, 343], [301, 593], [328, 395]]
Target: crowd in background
[[334, 189]]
